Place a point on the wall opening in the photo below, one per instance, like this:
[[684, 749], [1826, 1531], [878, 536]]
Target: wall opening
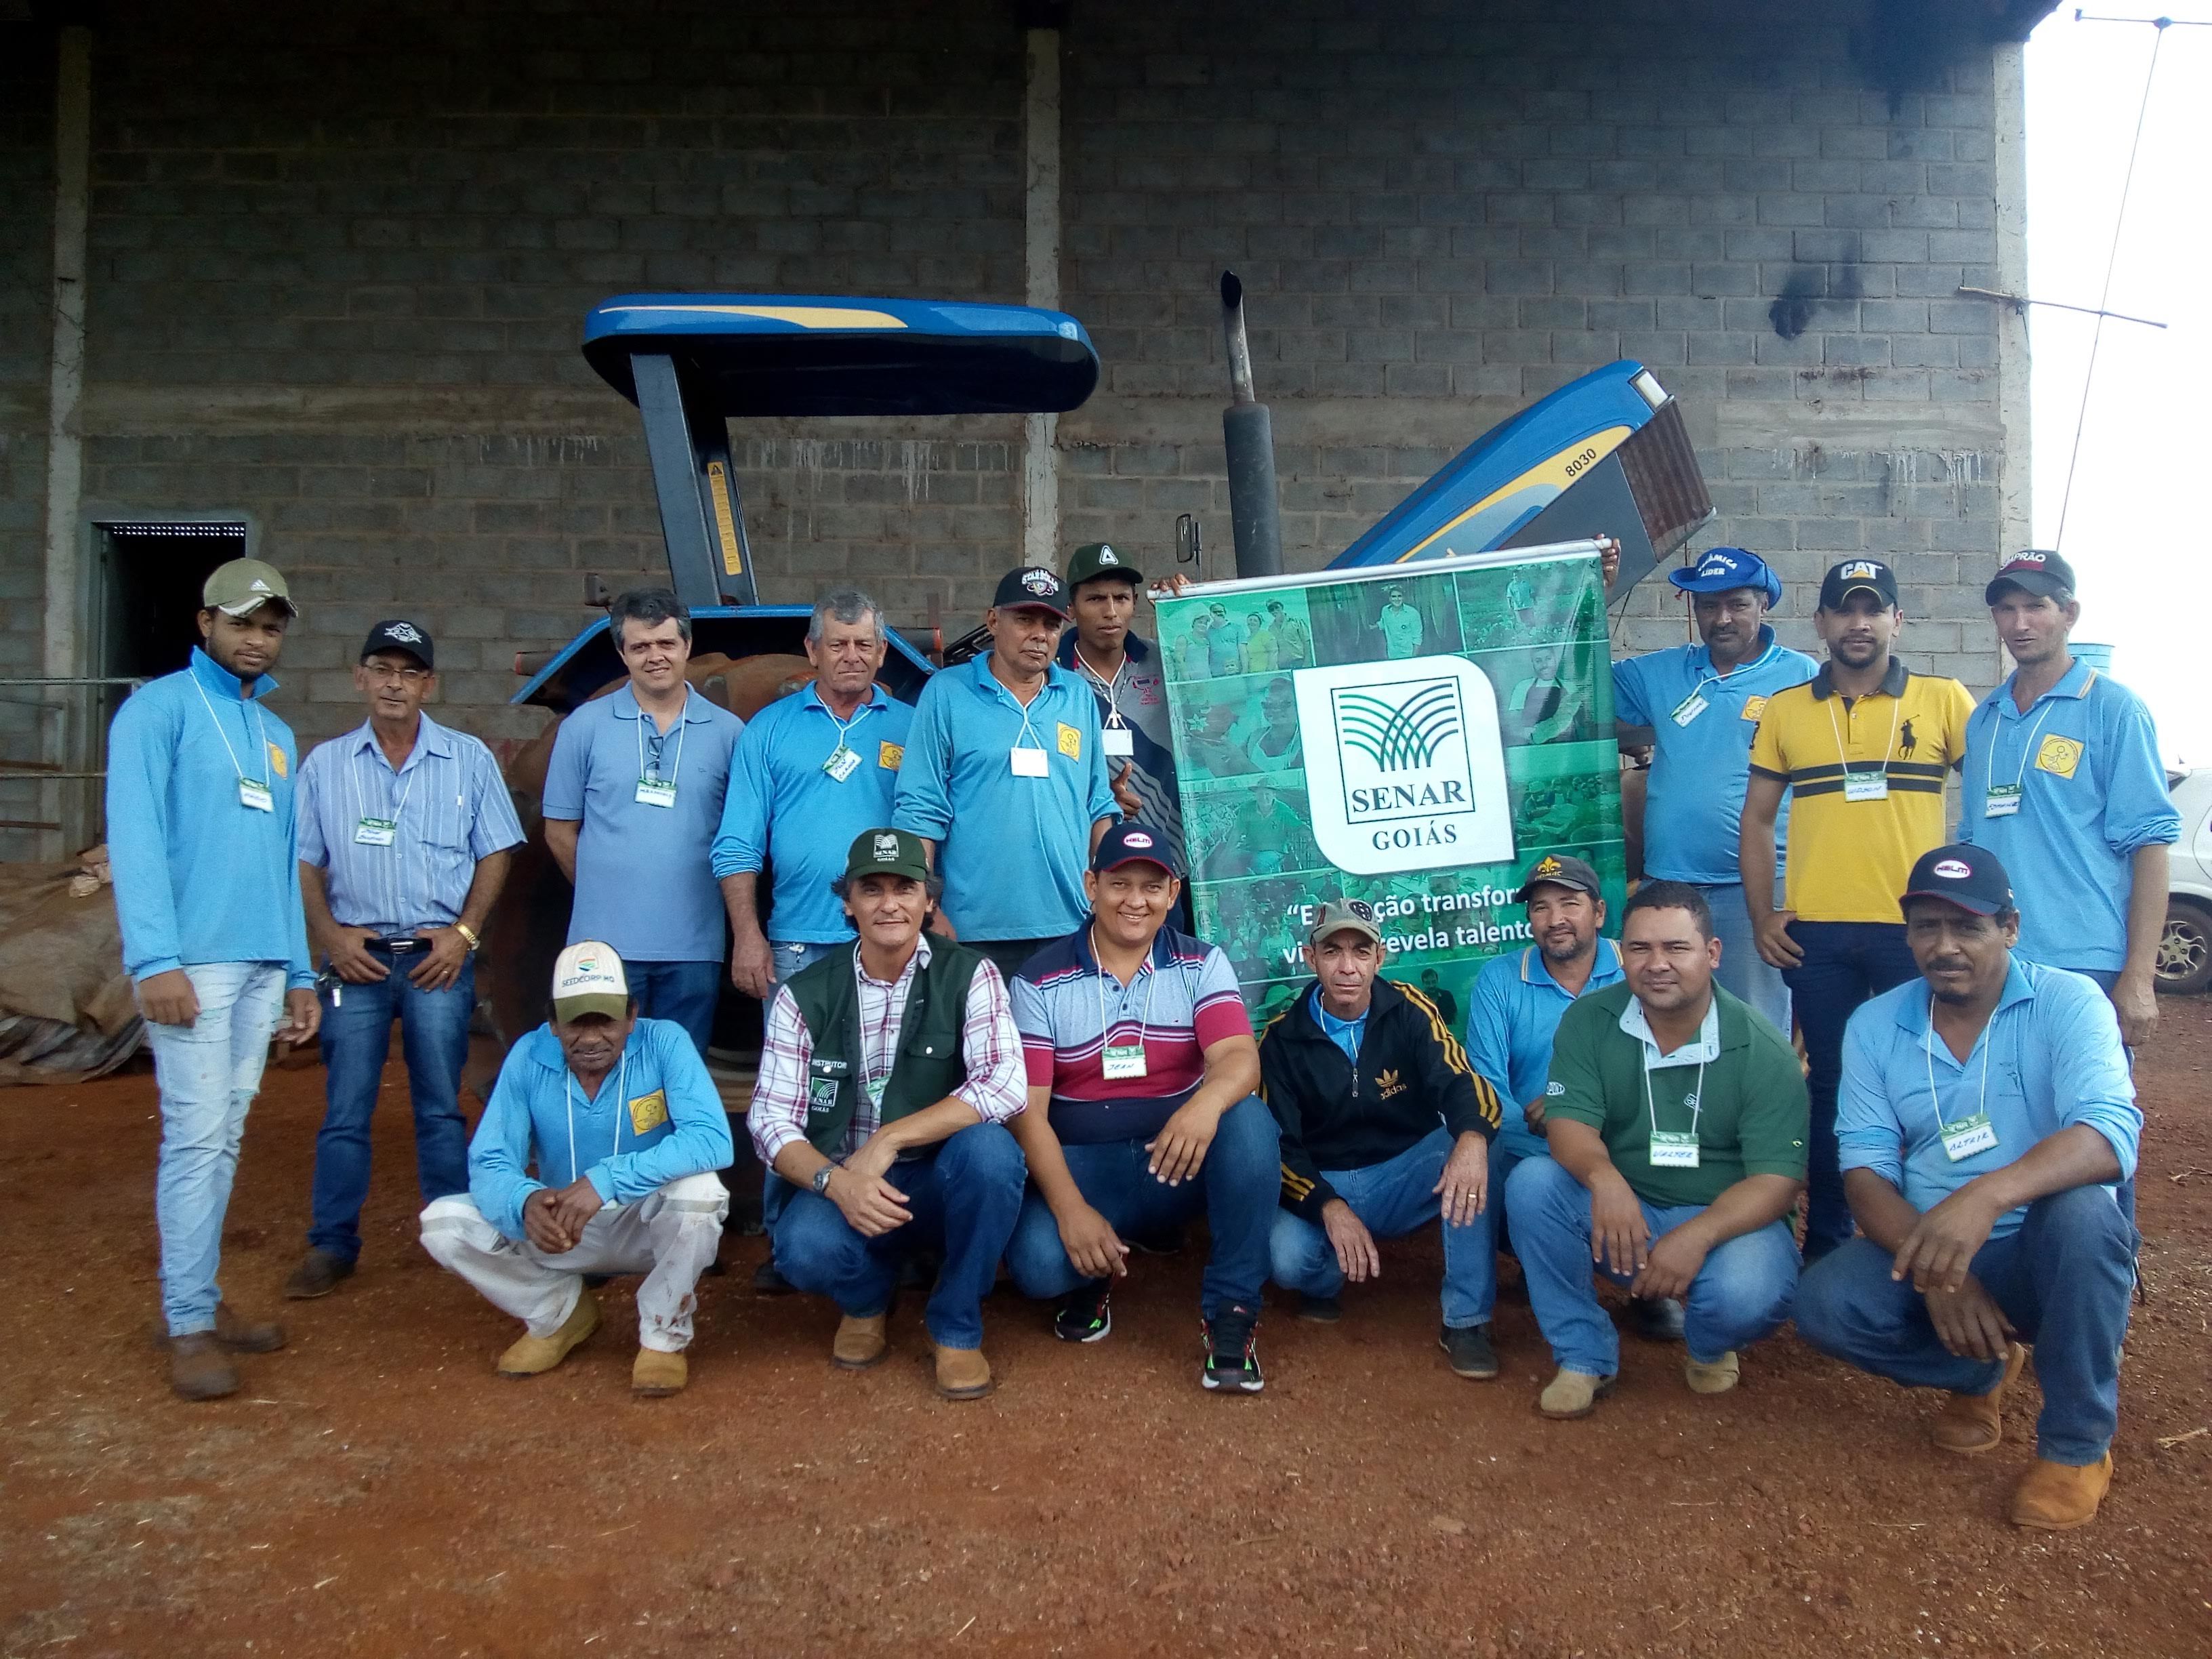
[[151, 571]]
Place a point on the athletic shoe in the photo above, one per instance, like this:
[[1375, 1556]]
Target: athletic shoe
[[1468, 1347], [1085, 1314], [1233, 1365], [1320, 1309]]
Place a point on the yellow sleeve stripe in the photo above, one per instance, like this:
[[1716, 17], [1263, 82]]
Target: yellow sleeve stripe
[[1486, 1097], [1294, 1184]]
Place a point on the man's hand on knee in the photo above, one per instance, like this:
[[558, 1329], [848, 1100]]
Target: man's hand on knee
[[1354, 1245]]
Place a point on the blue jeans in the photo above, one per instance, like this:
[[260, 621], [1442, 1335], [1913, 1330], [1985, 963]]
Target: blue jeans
[[1845, 963], [208, 1073], [1391, 1198], [2107, 979], [433, 1035], [1507, 1153], [1239, 1187], [2064, 1279], [1743, 972], [964, 1195], [686, 992], [1743, 1291]]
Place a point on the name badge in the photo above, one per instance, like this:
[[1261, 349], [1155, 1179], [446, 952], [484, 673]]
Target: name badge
[[255, 796], [842, 764], [2003, 800], [1670, 1151], [1118, 741], [649, 1112], [1690, 708], [873, 1087], [1124, 1061], [376, 832], [1030, 764], [655, 791], [1968, 1136], [1866, 786]]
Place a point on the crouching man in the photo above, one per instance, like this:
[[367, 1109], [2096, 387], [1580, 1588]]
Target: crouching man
[[1676, 1119], [627, 1130], [888, 1073], [1986, 1118], [1385, 1127]]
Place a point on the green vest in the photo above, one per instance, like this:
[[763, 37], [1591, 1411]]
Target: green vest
[[930, 1062]]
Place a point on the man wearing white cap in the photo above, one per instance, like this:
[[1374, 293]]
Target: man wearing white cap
[[626, 1130]]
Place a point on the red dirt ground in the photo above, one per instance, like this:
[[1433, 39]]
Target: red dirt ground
[[376, 1490]]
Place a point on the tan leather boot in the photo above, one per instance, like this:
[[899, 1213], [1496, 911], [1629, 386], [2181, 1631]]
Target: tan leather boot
[[1572, 1393], [2058, 1497], [861, 1342], [534, 1355], [199, 1369], [656, 1374], [1971, 1423], [962, 1373]]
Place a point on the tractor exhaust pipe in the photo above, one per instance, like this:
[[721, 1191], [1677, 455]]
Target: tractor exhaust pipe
[[1248, 434]]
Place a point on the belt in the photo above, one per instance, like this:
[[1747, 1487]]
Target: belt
[[397, 947]]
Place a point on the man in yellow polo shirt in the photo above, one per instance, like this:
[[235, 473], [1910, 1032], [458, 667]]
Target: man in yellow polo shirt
[[1862, 751]]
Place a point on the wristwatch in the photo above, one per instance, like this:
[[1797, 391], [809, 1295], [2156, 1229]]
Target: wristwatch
[[822, 1179]]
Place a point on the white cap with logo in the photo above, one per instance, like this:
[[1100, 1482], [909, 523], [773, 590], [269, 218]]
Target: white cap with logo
[[587, 979]]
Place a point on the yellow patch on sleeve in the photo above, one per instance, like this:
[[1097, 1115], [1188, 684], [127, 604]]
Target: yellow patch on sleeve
[[649, 1112], [891, 756], [277, 763], [1070, 742], [1753, 707], [2059, 755]]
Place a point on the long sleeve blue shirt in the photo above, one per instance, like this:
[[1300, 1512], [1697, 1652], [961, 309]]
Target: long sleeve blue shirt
[[1513, 1013], [656, 1117], [200, 877]]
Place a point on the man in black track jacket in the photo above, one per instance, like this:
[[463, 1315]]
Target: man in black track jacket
[[1385, 1127]]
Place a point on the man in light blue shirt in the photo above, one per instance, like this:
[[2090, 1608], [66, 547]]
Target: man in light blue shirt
[[633, 800], [405, 832], [1986, 1120], [1007, 776], [207, 890], [2064, 782], [625, 1130], [1401, 626], [1698, 706]]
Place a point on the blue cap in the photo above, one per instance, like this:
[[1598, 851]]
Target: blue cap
[[1130, 843], [1719, 570]]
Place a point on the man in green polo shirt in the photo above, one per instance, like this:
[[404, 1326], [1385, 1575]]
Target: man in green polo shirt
[[1676, 1120]]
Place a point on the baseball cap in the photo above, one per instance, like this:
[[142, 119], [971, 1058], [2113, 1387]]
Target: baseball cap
[[1723, 570], [886, 852], [1099, 559], [1031, 586], [1133, 844], [1968, 877], [1844, 579], [399, 635], [2033, 570], [587, 979], [241, 585], [1559, 870], [1345, 916]]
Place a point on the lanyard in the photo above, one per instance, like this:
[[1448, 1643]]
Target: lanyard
[[866, 707], [868, 1072], [361, 796], [2028, 743], [259, 724], [1715, 677], [1112, 687], [1896, 706], [1696, 1105], [681, 722], [1106, 1032], [1033, 742], [622, 1105], [1928, 1051]]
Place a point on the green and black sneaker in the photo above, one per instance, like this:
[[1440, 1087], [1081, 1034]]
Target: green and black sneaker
[[1233, 1365], [1085, 1314]]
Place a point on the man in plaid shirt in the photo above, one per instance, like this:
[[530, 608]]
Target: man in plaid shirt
[[887, 1076]]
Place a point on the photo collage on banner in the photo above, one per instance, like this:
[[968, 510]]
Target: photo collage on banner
[[1413, 740]]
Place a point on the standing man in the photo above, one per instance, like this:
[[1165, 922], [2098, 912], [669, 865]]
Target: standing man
[[1862, 748], [1125, 674], [1399, 624], [1225, 642], [1294, 639], [1697, 707], [633, 800], [404, 828], [1988, 1215], [1676, 1119], [1005, 777], [200, 827], [1385, 1127], [2064, 782]]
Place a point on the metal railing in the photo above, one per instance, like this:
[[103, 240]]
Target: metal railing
[[56, 753]]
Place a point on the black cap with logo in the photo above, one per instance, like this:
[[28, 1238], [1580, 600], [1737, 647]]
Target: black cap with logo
[[1559, 870], [1846, 579], [1031, 587], [1129, 842], [399, 635], [1968, 877], [2033, 570]]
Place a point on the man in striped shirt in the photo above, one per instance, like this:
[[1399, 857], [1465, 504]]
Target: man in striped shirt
[[404, 829]]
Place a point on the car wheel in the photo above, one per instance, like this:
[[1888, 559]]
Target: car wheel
[[2184, 950]]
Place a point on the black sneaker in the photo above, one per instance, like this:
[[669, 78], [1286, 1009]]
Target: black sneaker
[[1085, 1314], [1655, 1319], [1469, 1349], [1232, 1365], [1320, 1309]]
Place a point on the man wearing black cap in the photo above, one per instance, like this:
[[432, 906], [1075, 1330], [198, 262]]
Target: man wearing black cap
[[1987, 1121], [2065, 782], [1006, 777], [1862, 751], [404, 828]]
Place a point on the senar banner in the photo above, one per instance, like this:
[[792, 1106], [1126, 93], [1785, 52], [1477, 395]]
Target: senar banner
[[1411, 739]]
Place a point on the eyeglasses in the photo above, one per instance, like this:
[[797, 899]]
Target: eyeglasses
[[384, 673]]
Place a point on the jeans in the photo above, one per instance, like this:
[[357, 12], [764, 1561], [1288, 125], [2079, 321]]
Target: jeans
[[963, 1194], [1507, 1153], [1744, 973], [1845, 963], [686, 992], [1391, 1198], [2064, 1279], [1239, 1187], [1741, 1294], [2107, 979], [434, 1035], [208, 1073]]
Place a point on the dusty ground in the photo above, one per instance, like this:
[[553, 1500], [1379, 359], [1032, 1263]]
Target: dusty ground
[[375, 1490]]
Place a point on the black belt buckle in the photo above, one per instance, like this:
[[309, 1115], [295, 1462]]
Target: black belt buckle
[[397, 947]]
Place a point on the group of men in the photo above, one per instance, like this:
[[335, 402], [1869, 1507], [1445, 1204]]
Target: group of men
[[1218, 646], [988, 1043]]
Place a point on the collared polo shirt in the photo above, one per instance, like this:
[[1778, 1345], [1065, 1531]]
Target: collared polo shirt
[[1693, 806], [1513, 1011], [449, 809], [1012, 850], [784, 807], [1401, 629], [1224, 643], [644, 883], [2085, 757], [1848, 860], [1140, 695], [2050, 1058]]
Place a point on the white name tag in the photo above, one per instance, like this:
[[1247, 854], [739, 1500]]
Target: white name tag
[[256, 795], [655, 791], [1030, 764], [1866, 786], [1968, 1136], [1119, 742], [1124, 1061], [1670, 1151], [1690, 708], [842, 764], [376, 832], [2003, 800]]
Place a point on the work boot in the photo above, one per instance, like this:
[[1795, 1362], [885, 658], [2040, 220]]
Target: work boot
[[656, 1373], [769, 1281], [232, 1330], [318, 1274], [1320, 1309], [2058, 1497], [1468, 1348], [534, 1355], [198, 1368], [861, 1342], [1655, 1318], [1572, 1393], [1712, 1376], [1971, 1424], [961, 1373]]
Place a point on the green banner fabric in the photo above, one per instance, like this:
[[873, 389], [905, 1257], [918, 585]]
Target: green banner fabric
[[1415, 740]]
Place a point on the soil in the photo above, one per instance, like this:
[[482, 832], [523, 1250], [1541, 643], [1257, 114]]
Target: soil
[[375, 1489]]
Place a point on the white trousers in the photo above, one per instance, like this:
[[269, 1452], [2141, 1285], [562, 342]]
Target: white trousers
[[671, 1237]]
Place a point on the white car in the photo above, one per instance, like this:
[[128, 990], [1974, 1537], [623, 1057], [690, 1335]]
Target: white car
[[2184, 950]]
